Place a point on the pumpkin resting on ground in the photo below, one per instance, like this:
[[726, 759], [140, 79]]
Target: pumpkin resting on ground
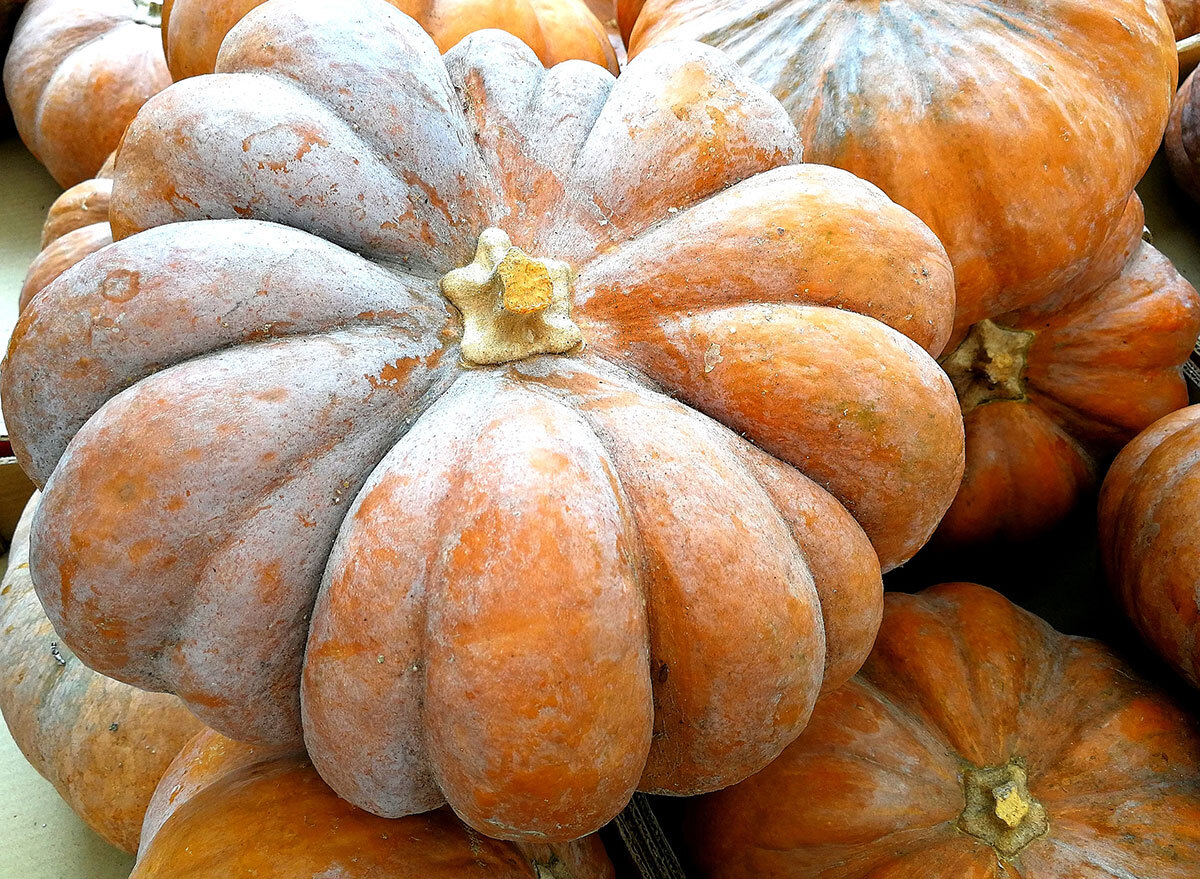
[[610, 521], [102, 744], [76, 73], [557, 30], [1017, 131], [1149, 516], [225, 809], [976, 743]]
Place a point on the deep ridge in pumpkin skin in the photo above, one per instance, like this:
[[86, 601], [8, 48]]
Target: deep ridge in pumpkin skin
[[328, 357], [963, 688]]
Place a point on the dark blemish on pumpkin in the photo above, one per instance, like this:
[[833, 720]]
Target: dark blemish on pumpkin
[[121, 285], [663, 671], [114, 726], [56, 653]]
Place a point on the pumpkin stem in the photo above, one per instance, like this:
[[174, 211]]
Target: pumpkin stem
[[148, 12], [999, 808], [513, 306], [989, 364]]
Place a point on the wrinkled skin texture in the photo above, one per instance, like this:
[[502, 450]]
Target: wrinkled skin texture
[[225, 809], [1182, 140], [1185, 17], [102, 744], [526, 589], [76, 225], [1149, 507], [960, 677], [1101, 367], [1015, 129], [557, 30], [76, 73]]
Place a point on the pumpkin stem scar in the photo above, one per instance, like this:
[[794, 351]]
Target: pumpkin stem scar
[[513, 305], [989, 365], [147, 12], [999, 808]]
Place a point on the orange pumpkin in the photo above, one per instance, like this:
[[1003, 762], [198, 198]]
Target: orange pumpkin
[[102, 744], [1149, 511], [1185, 17], [225, 809], [976, 743], [76, 73], [557, 30], [520, 528], [1182, 140], [1017, 131], [76, 225]]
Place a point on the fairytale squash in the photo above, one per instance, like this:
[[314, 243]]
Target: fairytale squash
[[1017, 131], [472, 569], [76, 73], [225, 809], [76, 225], [1149, 510], [976, 743], [557, 30], [102, 744], [1182, 141]]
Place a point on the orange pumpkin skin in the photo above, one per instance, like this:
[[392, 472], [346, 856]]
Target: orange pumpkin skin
[[102, 744], [76, 73], [557, 30], [1182, 141], [1016, 130], [534, 566], [1091, 373], [886, 780], [1185, 17], [76, 226], [1149, 508], [225, 809]]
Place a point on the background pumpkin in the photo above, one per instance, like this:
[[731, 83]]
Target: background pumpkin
[[707, 595], [76, 73], [557, 30], [229, 809], [1149, 512], [975, 742], [102, 744], [1185, 17], [1017, 131], [1182, 140]]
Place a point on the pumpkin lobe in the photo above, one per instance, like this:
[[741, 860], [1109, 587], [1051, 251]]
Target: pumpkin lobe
[[999, 809], [989, 365], [148, 12], [513, 305]]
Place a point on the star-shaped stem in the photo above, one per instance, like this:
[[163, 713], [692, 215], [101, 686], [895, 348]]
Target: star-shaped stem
[[513, 306]]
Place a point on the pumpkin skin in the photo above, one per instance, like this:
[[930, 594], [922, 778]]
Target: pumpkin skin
[[76, 225], [1016, 130], [1185, 17], [1148, 511], [1182, 141], [225, 809], [76, 73], [533, 570], [557, 30], [886, 780], [102, 744]]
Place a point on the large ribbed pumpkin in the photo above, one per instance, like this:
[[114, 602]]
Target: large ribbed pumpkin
[[1149, 516], [557, 30], [102, 744], [225, 810], [76, 73], [976, 743], [1182, 140], [1016, 129], [540, 447]]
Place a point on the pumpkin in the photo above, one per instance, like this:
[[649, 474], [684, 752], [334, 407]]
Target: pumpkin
[[1185, 17], [1017, 131], [102, 744], [557, 30], [1182, 140], [226, 809], [548, 448], [976, 743], [1149, 509], [76, 73], [76, 225]]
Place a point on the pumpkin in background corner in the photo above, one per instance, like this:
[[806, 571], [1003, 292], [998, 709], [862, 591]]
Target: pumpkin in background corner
[[976, 743], [493, 477], [102, 744], [76, 73]]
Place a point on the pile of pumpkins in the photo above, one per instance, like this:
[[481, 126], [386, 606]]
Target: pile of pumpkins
[[453, 417]]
